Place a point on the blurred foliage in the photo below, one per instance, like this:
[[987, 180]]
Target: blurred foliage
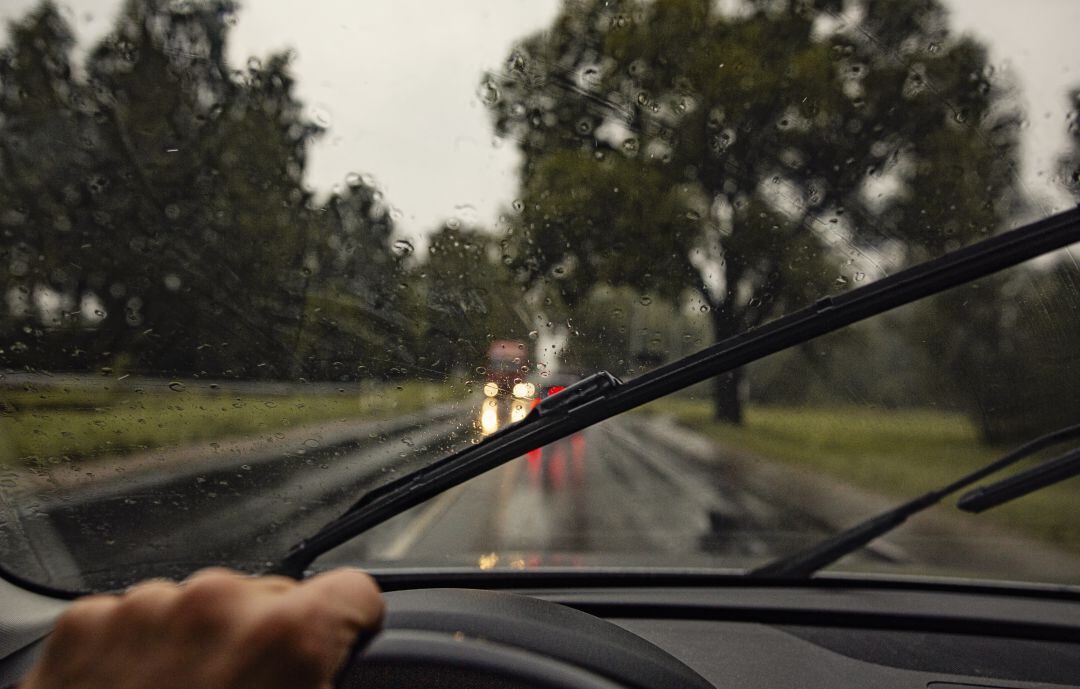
[[471, 298], [671, 147], [1070, 162], [688, 172], [154, 213], [621, 331], [1007, 347]]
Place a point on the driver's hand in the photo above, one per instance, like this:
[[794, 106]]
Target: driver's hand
[[217, 630]]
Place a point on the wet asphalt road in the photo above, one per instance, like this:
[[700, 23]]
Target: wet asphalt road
[[632, 491], [617, 493], [614, 494]]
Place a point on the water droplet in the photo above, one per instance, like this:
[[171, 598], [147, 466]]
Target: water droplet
[[533, 334], [321, 115], [860, 276], [176, 386], [645, 301], [488, 92], [402, 247]]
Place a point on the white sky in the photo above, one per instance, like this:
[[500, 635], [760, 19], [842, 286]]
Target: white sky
[[397, 79]]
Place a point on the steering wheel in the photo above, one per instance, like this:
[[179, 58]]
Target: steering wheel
[[464, 638]]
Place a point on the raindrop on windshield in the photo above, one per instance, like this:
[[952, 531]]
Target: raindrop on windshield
[[488, 93], [321, 116], [402, 247]]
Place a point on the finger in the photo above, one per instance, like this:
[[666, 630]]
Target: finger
[[342, 609], [352, 594], [146, 605], [227, 578], [151, 589], [77, 633], [213, 573]]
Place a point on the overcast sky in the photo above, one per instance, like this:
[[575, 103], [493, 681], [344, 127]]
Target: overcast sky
[[395, 81]]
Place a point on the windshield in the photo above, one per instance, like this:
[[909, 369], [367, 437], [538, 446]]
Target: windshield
[[256, 260]]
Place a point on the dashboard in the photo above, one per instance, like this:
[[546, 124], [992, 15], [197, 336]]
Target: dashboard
[[821, 635]]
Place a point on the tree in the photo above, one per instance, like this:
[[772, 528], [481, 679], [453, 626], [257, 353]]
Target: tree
[[165, 189], [670, 146], [353, 321], [468, 298]]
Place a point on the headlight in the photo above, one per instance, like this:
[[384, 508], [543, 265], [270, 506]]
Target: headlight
[[524, 390], [491, 389], [489, 417], [518, 410]]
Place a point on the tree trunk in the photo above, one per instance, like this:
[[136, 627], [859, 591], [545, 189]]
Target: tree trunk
[[727, 395]]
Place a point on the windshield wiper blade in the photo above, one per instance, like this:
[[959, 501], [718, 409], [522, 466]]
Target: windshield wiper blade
[[1047, 474], [804, 564], [602, 396]]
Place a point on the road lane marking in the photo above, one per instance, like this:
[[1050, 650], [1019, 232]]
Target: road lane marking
[[416, 528]]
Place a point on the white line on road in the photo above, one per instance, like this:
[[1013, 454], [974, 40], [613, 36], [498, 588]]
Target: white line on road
[[416, 528]]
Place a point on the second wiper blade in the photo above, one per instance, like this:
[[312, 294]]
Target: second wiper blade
[[1036, 478], [803, 564], [604, 400]]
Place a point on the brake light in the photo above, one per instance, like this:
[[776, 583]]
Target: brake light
[[555, 389]]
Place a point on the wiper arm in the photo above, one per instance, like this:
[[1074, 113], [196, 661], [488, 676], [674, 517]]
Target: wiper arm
[[1047, 474], [548, 421], [602, 396], [802, 565]]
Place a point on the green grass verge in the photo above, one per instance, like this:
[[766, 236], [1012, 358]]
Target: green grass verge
[[896, 452], [44, 425]]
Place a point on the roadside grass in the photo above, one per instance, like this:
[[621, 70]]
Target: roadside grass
[[54, 423], [901, 453]]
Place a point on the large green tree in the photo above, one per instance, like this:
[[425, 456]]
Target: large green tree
[[671, 146], [165, 189], [470, 298]]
